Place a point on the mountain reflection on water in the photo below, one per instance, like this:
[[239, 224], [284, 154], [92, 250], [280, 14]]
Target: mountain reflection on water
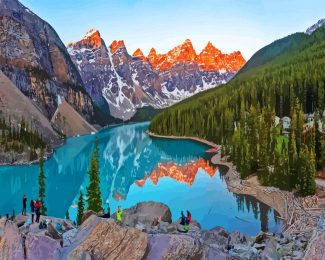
[[181, 173], [135, 168]]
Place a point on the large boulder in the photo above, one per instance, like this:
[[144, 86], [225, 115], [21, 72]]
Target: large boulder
[[11, 243], [144, 213], [104, 239], [68, 237], [213, 252], [86, 215], [270, 251], [236, 238], [217, 236], [168, 246], [20, 220], [52, 232], [42, 247]]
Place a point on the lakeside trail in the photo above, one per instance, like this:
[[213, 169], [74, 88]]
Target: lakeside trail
[[300, 215]]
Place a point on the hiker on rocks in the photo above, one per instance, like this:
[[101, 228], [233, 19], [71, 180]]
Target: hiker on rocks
[[32, 209], [186, 225], [189, 217], [24, 205], [38, 210], [182, 218], [119, 212]]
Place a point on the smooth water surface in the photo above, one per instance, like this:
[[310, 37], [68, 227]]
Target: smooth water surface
[[135, 168]]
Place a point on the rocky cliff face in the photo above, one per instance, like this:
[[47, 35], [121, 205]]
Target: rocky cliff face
[[112, 76], [37, 62]]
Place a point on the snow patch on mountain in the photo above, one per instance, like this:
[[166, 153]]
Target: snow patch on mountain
[[315, 26]]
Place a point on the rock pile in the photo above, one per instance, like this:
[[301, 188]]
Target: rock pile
[[99, 238]]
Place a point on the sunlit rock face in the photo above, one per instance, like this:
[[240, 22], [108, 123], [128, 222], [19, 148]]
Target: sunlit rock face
[[129, 82], [34, 58], [182, 173]]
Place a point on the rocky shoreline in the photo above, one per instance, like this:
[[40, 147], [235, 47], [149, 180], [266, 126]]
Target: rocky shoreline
[[196, 139], [300, 215], [136, 238]]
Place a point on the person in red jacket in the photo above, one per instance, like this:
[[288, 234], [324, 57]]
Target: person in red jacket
[[189, 216], [38, 210]]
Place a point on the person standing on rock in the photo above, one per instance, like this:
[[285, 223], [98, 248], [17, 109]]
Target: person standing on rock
[[182, 218], [119, 212], [32, 209], [189, 216], [38, 210], [24, 205]]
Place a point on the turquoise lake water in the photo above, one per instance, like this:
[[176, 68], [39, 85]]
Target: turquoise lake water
[[127, 155]]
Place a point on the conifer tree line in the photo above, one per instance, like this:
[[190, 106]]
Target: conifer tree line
[[255, 148], [15, 138], [240, 115], [94, 198]]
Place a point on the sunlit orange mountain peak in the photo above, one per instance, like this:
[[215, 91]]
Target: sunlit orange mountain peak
[[92, 39], [116, 45], [139, 54], [210, 58], [181, 53]]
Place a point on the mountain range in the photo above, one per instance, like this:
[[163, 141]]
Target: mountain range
[[128, 82]]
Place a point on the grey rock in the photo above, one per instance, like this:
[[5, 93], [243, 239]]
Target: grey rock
[[213, 252], [168, 246], [52, 232], [86, 215], [140, 227], [259, 246], [236, 238], [270, 251], [217, 236], [42, 247], [144, 213], [241, 251], [297, 255], [68, 237]]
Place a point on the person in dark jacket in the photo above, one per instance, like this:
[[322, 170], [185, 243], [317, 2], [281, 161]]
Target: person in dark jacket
[[183, 218], [24, 205], [32, 209]]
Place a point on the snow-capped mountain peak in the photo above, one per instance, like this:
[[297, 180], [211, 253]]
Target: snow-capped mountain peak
[[315, 26], [91, 39]]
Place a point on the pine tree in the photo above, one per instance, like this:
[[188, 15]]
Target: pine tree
[[263, 162], [318, 144], [94, 200], [306, 172], [292, 156], [81, 208], [41, 184]]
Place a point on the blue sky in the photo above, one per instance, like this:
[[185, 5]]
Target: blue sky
[[245, 25]]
